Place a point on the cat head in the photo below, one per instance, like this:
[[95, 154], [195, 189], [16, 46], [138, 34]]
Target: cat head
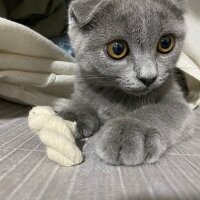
[[126, 44]]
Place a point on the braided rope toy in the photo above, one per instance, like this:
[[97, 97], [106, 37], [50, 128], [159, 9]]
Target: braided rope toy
[[57, 134]]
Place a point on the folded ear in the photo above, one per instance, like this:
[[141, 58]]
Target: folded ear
[[83, 11], [180, 4]]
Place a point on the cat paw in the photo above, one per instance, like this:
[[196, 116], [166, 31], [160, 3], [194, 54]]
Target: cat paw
[[87, 124], [125, 142]]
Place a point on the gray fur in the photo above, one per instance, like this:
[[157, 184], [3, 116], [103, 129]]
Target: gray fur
[[134, 124]]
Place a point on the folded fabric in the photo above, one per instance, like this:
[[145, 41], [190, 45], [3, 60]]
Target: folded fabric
[[189, 62], [48, 17], [33, 70]]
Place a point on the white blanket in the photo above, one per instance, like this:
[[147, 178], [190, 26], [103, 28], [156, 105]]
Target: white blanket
[[34, 71], [190, 58]]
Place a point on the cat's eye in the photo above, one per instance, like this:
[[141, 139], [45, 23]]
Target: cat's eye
[[166, 44], [117, 49]]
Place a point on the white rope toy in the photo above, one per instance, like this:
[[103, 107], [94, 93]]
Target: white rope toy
[[57, 134]]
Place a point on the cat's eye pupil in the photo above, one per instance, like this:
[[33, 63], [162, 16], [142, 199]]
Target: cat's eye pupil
[[118, 48], [165, 42]]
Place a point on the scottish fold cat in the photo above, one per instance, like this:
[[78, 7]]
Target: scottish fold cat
[[125, 91]]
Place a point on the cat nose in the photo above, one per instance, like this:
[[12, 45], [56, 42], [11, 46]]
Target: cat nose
[[147, 81]]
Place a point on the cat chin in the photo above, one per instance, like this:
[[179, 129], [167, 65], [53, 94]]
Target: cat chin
[[143, 92], [136, 92], [140, 93]]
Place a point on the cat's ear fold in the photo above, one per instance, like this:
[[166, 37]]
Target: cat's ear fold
[[83, 11], [180, 4]]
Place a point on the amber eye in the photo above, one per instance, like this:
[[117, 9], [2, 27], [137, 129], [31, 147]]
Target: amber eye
[[166, 44], [117, 49]]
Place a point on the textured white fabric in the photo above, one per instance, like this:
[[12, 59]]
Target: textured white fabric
[[32, 69], [190, 59]]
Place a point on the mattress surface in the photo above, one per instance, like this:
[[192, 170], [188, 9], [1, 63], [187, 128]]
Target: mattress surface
[[26, 172]]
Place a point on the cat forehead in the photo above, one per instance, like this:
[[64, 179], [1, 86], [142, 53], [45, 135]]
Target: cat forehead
[[86, 10], [177, 6], [140, 16], [146, 8], [144, 17]]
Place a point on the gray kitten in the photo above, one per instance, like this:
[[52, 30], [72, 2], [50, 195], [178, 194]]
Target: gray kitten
[[125, 90]]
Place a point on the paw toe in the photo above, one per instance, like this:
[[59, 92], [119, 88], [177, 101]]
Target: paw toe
[[153, 147], [132, 152]]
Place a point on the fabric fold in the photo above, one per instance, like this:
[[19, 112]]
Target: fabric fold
[[18, 39], [31, 96], [33, 70], [35, 64], [189, 62]]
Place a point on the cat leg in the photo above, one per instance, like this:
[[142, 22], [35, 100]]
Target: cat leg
[[144, 136], [86, 118]]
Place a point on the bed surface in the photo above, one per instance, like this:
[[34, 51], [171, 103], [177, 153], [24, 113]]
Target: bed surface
[[26, 172]]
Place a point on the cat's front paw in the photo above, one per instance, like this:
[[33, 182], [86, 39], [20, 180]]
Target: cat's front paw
[[128, 142], [87, 123]]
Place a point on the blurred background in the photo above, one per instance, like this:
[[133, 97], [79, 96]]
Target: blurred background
[[47, 17]]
